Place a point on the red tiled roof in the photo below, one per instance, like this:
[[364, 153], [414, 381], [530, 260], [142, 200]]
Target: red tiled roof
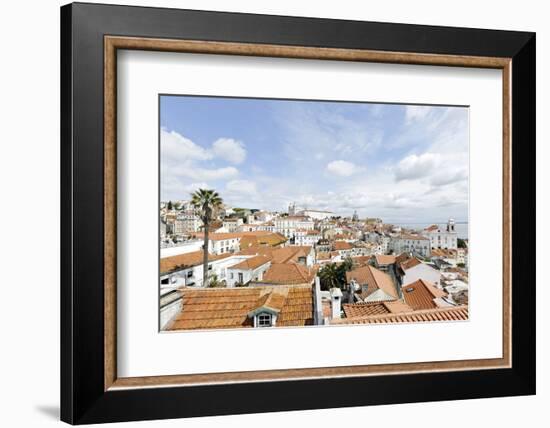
[[440, 252], [288, 273], [342, 245], [411, 237], [361, 260], [383, 259], [251, 263], [272, 239], [229, 307], [410, 263], [187, 260], [376, 280], [367, 309], [454, 313], [421, 294]]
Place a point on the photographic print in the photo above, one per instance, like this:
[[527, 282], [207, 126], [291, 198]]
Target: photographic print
[[294, 213]]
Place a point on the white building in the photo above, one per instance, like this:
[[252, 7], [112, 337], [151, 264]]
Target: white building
[[186, 270], [462, 256], [287, 226], [446, 239], [316, 214], [414, 269], [307, 237], [232, 225], [251, 269], [263, 216], [187, 223], [384, 243], [182, 248], [407, 243], [223, 243], [162, 229]]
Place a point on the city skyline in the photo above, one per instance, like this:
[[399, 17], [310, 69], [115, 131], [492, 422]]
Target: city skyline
[[402, 163]]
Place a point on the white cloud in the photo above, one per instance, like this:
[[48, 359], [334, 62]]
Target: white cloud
[[241, 186], [229, 149], [413, 166], [177, 148], [449, 177], [342, 168]]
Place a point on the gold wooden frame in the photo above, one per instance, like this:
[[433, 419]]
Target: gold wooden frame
[[113, 43]]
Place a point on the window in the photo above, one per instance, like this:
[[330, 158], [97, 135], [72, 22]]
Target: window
[[209, 267], [189, 274], [264, 320], [164, 281], [241, 277]]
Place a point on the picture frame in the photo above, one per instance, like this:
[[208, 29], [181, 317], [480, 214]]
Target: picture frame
[[91, 391]]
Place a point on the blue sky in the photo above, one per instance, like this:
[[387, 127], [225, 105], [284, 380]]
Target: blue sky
[[403, 163]]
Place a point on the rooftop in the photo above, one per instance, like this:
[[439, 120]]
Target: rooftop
[[382, 259], [186, 260], [455, 313], [412, 237], [251, 263], [353, 310], [342, 245], [376, 280], [421, 294], [288, 273], [230, 307], [410, 263]]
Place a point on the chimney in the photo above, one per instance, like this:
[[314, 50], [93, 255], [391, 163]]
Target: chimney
[[335, 302], [317, 303]]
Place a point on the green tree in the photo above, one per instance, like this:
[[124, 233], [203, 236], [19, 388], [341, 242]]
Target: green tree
[[330, 276], [215, 282], [461, 243], [333, 275], [170, 206], [207, 202]]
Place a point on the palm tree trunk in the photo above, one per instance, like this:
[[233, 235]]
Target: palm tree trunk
[[205, 257]]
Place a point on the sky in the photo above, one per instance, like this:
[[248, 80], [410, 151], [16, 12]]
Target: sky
[[401, 163]]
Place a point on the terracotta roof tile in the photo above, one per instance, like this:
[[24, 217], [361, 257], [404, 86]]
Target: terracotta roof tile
[[421, 294], [183, 261], [455, 313], [229, 307], [412, 237], [361, 260], [410, 263], [353, 310], [376, 280], [383, 259], [342, 245], [288, 273], [251, 263]]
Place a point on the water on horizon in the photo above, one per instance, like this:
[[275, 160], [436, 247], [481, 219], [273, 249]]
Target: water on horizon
[[461, 228]]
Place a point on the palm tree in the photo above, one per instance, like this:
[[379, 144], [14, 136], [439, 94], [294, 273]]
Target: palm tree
[[330, 276], [207, 202]]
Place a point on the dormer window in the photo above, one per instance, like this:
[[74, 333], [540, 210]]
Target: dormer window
[[264, 320]]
